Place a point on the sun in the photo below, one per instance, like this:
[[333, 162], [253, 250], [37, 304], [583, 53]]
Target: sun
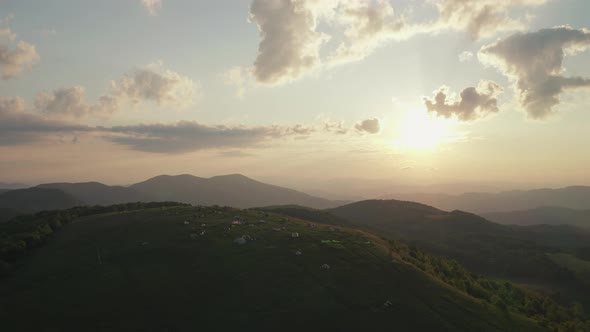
[[420, 131]]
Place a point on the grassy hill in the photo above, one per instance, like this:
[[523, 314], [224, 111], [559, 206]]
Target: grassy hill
[[231, 190], [499, 251], [549, 215], [184, 268]]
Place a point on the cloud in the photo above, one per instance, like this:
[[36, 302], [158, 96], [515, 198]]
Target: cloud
[[534, 61], [163, 86], [481, 18], [71, 103], [237, 76], [335, 127], [153, 83], [14, 62], [473, 102], [18, 127], [370, 126], [235, 154], [47, 32], [6, 35], [18, 59], [289, 44], [367, 25], [153, 7], [465, 56], [187, 136]]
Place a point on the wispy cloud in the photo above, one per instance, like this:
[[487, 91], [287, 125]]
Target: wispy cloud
[[153, 7], [186, 136], [19, 127]]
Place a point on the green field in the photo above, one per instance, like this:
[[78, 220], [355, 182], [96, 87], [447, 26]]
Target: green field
[[149, 271], [579, 266]]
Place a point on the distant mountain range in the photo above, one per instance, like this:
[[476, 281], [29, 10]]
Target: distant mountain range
[[543, 215], [234, 190], [94, 193], [36, 199], [9, 186], [230, 190], [576, 197]]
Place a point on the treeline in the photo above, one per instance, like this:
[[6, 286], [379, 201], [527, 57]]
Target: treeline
[[23, 233], [502, 294]]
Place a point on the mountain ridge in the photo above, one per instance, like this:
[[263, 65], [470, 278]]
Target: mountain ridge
[[574, 197]]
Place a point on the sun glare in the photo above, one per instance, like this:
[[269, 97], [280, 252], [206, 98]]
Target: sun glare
[[421, 131]]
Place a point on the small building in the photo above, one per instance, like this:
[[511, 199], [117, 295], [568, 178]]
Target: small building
[[236, 222], [294, 234]]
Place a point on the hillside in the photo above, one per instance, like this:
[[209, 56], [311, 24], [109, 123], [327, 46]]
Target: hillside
[[94, 193], [37, 199], [151, 270], [542, 215], [516, 253], [576, 197], [8, 213], [231, 190]]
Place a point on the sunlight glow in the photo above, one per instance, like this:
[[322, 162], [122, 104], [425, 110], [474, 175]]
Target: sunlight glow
[[420, 131]]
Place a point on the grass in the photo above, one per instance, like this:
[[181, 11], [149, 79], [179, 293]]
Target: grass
[[154, 276], [579, 266]]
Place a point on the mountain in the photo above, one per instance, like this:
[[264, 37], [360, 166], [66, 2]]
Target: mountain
[[542, 215], [37, 199], [230, 190], [190, 268], [94, 193], [12, 185], [577, 197], [500, 251]]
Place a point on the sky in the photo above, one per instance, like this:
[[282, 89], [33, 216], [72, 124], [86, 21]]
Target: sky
[[304, 93]]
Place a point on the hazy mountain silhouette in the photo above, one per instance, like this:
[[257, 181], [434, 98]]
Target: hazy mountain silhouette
[[543, 215], [576, 197], [36, 199], [232, 190], [94, 193], [12, 185]]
